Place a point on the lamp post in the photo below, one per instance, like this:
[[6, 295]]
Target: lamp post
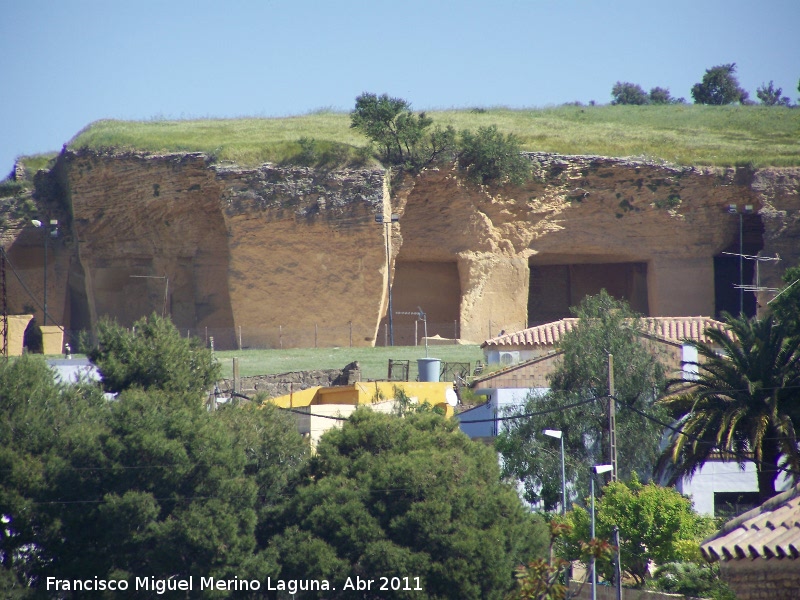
[[734, 210], [51, 232], [556, 433], [596, 469], [394, 218]]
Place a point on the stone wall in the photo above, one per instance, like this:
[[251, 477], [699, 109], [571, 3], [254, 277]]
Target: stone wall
[[609, 592], [273, 386], [760, 579], [222, 249]]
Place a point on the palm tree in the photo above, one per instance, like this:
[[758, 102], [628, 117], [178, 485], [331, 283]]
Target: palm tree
[[744, 404]]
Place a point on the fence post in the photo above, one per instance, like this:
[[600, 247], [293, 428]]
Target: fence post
[[315, 335], [240, 337], [236, 381], [280, 336]]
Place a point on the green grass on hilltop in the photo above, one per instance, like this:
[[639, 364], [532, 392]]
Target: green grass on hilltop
[[373, 361], [683, 134]]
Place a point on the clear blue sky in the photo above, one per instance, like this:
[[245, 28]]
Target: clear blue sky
[[67, 63]]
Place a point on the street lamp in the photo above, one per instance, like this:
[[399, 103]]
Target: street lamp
[[51, 232], [556, 433], [394, 218], [596, 469]]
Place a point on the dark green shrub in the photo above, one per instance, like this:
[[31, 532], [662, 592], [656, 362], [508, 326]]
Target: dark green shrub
[[488, 156], [719, 86], [624, 92], [692, 579]]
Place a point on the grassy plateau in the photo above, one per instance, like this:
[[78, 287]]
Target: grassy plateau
[[374, 362], [684, 134]]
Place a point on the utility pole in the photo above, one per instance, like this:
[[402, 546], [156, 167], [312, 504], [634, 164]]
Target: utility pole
[[612, 419]]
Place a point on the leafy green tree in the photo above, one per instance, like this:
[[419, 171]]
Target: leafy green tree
[[771, 96], [659, 95], [719, 86], [656, 524], [489, 156], [412, 497], [786, 305], [150, 484], [400, 134], [745, 402], [577, 405], [624, 92], [151, 355]]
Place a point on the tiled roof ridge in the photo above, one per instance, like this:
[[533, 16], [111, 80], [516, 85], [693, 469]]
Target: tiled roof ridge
[[771, 530], [669, 328]]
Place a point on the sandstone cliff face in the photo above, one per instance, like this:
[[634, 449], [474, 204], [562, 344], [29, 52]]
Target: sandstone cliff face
[[597, 219], [272, 257]]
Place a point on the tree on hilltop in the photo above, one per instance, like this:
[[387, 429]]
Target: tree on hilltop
[[659, 95], [624, 92], [402, 136], [771, 96], [405, 139], [719, 86], [489, 156]]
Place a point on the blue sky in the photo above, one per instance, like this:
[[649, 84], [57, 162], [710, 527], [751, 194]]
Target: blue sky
[[67, 63]]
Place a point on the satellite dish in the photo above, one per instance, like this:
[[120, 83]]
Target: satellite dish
[[451, 397]]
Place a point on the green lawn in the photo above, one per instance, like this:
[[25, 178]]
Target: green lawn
[[683, 134], [373, 361]]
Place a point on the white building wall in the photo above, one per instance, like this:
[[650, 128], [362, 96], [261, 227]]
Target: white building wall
[[500, 401], [718, 476]]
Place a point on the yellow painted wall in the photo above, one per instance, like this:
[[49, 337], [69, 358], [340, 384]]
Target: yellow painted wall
[[368, 393], [16, 332], [52, 339], [342, 401]]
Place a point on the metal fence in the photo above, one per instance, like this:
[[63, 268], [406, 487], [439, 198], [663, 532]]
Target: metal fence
[[313, 335]]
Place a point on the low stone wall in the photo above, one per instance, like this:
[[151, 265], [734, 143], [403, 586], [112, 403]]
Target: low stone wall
[[759, 579], [609, 592], [285, 383]]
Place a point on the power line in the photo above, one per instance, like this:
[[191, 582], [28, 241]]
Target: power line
[[741, 457]]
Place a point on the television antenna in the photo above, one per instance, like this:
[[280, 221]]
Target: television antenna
[[421, 316], [758, 260]]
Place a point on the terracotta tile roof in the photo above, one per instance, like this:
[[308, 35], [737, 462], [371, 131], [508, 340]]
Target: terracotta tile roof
[[771, 530], [673, 329]]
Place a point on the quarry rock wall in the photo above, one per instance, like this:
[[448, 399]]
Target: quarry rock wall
[[289, 256]]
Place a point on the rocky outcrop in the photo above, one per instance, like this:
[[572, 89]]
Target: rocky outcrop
[[288, 256]]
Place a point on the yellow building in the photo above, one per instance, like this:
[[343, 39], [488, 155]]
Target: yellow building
[[320, 408]]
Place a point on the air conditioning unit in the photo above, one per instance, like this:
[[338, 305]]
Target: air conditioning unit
[[509, 358]]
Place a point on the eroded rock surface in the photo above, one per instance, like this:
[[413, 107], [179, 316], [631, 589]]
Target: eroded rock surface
[[288, 256]]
